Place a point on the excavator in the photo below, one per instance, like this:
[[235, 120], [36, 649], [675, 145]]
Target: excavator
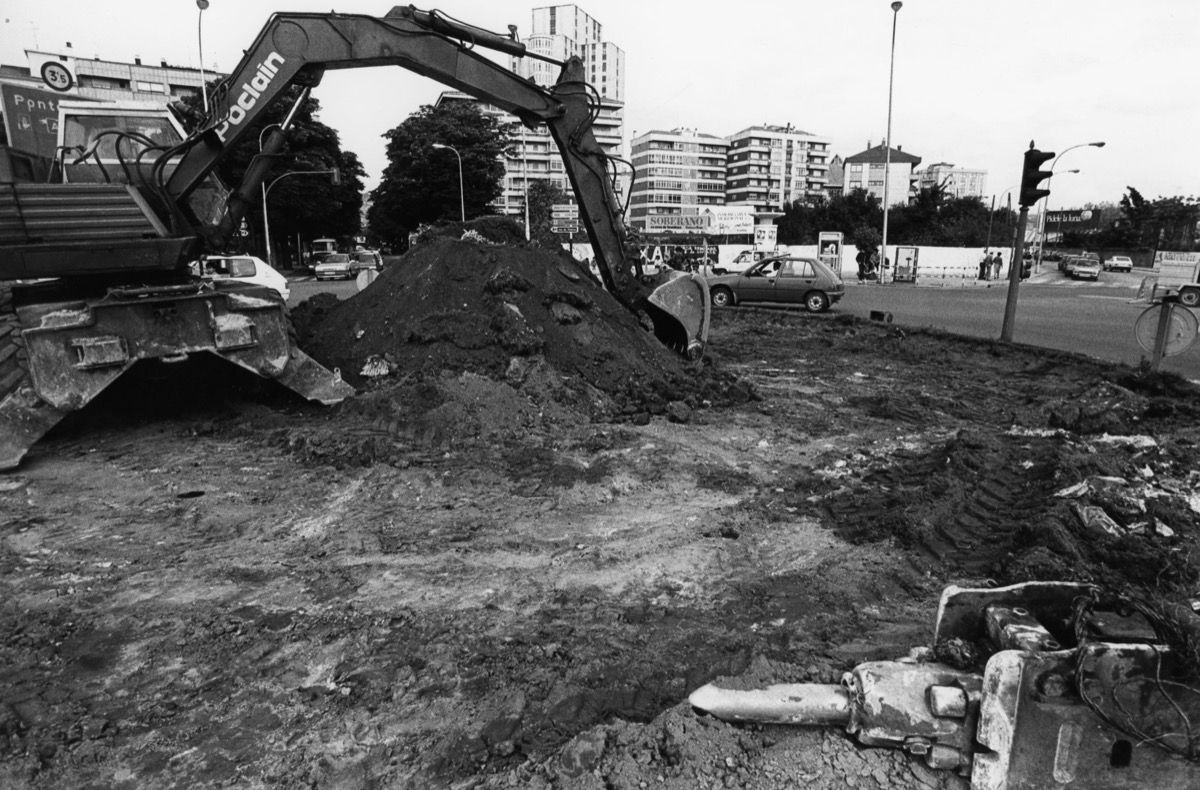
[[94, 268]]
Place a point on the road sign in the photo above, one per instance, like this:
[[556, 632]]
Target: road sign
[[564, 228], [564, 213]]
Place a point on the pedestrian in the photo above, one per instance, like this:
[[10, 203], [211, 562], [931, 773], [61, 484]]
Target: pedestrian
[[997, 265], [985, 266]]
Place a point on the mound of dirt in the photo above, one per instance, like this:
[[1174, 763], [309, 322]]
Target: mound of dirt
[[501, 311]]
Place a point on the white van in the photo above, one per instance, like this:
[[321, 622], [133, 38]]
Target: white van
[[244, 268]]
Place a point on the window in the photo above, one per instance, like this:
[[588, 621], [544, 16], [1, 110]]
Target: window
[[150, 87], [103, 83], [83, 129], [241, 267]]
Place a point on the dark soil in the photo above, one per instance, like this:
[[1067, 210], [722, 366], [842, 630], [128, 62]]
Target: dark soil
[[508, 561]]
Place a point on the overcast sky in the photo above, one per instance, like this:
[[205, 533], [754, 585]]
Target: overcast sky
[[975, 81]]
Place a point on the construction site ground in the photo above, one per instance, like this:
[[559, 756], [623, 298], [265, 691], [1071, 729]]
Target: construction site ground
[[471, 576]]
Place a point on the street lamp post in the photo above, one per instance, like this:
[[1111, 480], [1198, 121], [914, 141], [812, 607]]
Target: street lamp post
[[525, 180], [462, 203], [1046, 200], [202, 5], [263, 187], [337, 179], [887, 142]]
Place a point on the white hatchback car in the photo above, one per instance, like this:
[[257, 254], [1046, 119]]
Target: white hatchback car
[[243, 268], [1118, 263]]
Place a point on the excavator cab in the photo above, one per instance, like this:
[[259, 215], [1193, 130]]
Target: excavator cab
[[94, 280]]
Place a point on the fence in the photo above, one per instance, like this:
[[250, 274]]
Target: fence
[[939, 267]]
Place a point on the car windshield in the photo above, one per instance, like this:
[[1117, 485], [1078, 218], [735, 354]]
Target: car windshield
[[336, 257], [241, 267], [369, 257]]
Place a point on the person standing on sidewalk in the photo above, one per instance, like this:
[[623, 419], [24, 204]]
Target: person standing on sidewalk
[[985, 267], [997, 265]]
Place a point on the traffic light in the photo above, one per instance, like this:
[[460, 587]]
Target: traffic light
[[1031, 176]]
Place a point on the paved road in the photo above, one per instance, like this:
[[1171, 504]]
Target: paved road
[[1096, 319], [1091, 318], [305, 286]]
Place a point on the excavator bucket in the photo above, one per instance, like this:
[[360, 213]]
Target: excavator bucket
[[680, 310]]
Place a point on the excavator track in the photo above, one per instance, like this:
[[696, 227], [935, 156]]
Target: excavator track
[[14, 360]]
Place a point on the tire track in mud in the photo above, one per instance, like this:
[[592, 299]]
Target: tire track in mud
[[960, 505]]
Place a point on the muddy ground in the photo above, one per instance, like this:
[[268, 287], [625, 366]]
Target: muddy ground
[[514, 578]]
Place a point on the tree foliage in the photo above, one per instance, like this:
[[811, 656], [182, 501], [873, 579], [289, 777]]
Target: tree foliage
[[542, 195], [930, 218], [1165, 223], [421, 184], [310, 206]]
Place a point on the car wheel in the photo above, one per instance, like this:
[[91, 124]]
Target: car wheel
[[1189, 297], [722, 297], [816, 302]]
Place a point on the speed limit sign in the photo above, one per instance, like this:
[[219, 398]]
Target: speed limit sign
[[57, 76]]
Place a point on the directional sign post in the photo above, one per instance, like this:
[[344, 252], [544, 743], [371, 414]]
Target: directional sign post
[[564, 218]]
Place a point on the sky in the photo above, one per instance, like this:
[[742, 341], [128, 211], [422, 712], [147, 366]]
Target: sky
[[974, 82]]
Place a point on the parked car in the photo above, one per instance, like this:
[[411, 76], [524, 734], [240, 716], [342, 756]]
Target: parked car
[[1085, 269], [1118, 263], [335, 266], [242, 268], [783, 279], [366, 259]]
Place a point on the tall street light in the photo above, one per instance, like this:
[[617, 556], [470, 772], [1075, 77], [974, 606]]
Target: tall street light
[[887, 143], [263, 187], [462, 203], [337, 179], [202, 4], [1046, 200]]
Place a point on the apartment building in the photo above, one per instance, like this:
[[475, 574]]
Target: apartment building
[[73, 77], [771, 166], [560, 32], [678, 173], [958, 182], [867, 170]]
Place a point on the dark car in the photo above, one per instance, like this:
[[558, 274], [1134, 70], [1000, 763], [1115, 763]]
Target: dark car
[[366, 259], [780, 280]]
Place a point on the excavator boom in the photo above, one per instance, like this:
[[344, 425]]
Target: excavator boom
[[299, 48]]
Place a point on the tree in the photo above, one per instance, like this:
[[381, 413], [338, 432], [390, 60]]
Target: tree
[[421, 183], [930, 217], [542, 195], [802, 222], [311, 206], [1167, 223]]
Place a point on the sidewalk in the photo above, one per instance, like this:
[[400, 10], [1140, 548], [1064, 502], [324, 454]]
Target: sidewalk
[[926, 281]]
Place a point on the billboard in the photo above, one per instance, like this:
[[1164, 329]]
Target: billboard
[[681, 223], [30, 119], [712, 221], [730, 220], [1073, 220]]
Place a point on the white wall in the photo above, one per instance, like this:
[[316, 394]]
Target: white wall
[[936, 266]]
